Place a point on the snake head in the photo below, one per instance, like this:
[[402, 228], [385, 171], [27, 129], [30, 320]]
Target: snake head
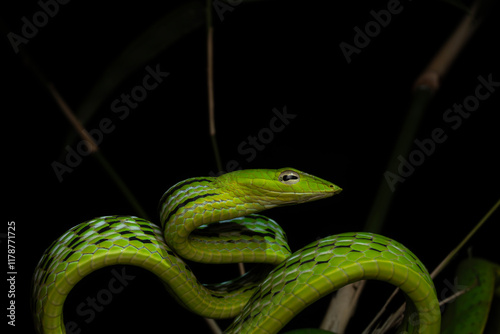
[[278, 187]]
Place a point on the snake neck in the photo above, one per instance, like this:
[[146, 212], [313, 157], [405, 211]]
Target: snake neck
[[201, 201]]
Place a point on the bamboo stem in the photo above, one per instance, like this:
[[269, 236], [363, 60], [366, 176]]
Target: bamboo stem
[[438, 67], [424, 88]]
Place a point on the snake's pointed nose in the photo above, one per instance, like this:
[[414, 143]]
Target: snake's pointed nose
[[334, 189]]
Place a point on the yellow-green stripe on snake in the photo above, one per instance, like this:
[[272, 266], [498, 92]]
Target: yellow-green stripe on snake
[[215, 220]]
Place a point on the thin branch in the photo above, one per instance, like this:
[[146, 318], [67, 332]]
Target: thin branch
[[431, 77], [83, 133], [382, 311], [210, 85], [241, 268], [60, 101], [394, 319], [212, 324], [75, 122], [439, 268], [454, 252], [210, 79], [94, 150], [340, 311], [455, 295]]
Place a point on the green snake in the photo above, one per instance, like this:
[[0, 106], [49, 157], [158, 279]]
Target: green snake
[[215, 220]]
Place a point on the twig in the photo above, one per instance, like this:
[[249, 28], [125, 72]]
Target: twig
[[339, 313], [443, 263], [83, 133], [210, 85], [94, 150], [212, 324], [392, 321], [60, 101], [455, 296], [80, 129], [438, 67], [382, 310], [452, 254], [211, 103], [241, 268]]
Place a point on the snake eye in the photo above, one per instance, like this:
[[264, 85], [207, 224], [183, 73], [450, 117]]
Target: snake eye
[[289, 177]]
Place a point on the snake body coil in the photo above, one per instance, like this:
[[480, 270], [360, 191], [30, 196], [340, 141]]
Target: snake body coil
[[215, 220]]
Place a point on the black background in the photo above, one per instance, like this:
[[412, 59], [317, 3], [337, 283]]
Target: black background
[[268, 54]]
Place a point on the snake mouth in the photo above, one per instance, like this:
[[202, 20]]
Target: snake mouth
[[318, 196], [280, 198]]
